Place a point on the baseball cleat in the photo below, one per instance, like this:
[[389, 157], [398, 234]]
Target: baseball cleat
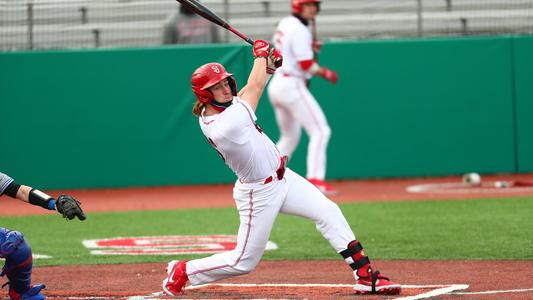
[[326, 188], [34, 293], [177, 278], [376, 284]]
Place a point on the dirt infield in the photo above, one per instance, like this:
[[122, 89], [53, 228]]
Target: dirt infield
[[175, 197], [284, 279], [116, 281]]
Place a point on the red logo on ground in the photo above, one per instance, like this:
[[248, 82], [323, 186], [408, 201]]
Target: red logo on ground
[[165, 245]]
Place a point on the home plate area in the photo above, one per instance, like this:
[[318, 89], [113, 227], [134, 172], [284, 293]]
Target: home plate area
[[301, 291]]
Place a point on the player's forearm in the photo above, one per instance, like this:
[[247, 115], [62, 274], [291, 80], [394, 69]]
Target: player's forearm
[[258, 75], [310, 66], [24, 193]]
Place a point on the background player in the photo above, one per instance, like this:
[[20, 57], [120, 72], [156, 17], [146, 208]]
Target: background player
[[264, 187], [294, 106], [15, 249]]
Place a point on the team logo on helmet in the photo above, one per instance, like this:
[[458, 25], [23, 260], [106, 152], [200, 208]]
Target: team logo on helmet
[[207, 76]]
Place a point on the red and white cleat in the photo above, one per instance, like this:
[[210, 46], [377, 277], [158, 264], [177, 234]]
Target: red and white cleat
[[326, 188], [177, 278], [376, 284]]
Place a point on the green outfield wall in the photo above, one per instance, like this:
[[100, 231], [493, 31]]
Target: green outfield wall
[[120, 118], [523, 76]]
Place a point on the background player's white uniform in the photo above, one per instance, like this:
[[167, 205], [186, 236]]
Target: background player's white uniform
[[248, 151], [293, 104]]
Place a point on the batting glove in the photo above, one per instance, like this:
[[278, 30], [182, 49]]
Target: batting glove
[[261, 48], [274, 61], [329, 75]]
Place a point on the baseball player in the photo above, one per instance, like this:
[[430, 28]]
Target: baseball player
[[265, 187], [294, 106], [14, 247]]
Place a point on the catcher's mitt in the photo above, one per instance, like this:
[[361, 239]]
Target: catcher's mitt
[[69, 207]]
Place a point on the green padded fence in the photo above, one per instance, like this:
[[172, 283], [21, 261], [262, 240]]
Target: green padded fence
[[523, 76], [423, 107], [117, 118]]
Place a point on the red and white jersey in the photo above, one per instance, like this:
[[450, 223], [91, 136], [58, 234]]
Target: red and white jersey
[[294, 40], [241, 143]]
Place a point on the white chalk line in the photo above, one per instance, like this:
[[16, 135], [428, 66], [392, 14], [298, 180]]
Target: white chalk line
[[493, 292], [462, 188], [440, 289], [437, 292], [327, 285]]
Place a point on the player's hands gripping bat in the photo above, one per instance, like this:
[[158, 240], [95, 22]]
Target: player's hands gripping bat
[[69, 207], [261, 48]]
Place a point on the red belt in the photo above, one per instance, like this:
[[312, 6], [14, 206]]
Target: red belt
[[280, 172]]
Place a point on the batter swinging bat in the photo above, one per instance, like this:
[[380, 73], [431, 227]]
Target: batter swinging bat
[[211, 16]]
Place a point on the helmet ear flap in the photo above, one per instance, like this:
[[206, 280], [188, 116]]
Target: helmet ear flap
[[203, 95], [232, 85]]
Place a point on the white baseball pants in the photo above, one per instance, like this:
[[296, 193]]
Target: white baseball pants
[[258, 205], [295, 107]]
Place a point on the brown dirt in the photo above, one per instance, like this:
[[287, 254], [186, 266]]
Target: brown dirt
[[121, 281], [145, 279], [176, 197]]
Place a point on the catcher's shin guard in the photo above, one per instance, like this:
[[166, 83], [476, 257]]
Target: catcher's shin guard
[[18, 266], [367, 280]]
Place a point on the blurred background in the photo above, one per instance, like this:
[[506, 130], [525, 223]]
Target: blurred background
[[60, 24]]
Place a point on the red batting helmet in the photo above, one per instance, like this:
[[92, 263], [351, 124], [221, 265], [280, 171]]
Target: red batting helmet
[[297, 5], [208, 75]]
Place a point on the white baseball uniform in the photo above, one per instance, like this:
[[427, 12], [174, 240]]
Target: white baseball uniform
[[260, 195], [294, 106]]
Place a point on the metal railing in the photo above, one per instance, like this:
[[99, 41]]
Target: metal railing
[[60, 24]]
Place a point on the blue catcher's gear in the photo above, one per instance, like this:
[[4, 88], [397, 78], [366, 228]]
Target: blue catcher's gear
[[9, 241], [18, 266]]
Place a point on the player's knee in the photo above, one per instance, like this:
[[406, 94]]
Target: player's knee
[[246, 265], [242, 269], [326, 132], [18, 262], [321, 133], [9, 241], [329, 211]]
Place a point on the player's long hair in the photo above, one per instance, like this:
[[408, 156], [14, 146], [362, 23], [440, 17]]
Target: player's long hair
[[197, 108]]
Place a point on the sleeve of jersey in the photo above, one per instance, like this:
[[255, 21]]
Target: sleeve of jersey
[[301, 45], [4, 182]]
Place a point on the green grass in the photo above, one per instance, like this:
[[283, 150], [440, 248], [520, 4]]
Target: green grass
[[499, 229]]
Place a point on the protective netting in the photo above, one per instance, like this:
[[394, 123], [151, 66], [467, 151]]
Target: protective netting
[[59, 24]]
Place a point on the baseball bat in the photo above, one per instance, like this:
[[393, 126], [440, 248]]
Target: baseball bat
[[211, 16]]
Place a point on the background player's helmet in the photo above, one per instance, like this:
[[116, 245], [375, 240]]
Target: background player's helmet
[[208, 75], [297, 5]]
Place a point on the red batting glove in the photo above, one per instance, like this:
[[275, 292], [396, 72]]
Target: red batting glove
[[261, 48], [329, 75]]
